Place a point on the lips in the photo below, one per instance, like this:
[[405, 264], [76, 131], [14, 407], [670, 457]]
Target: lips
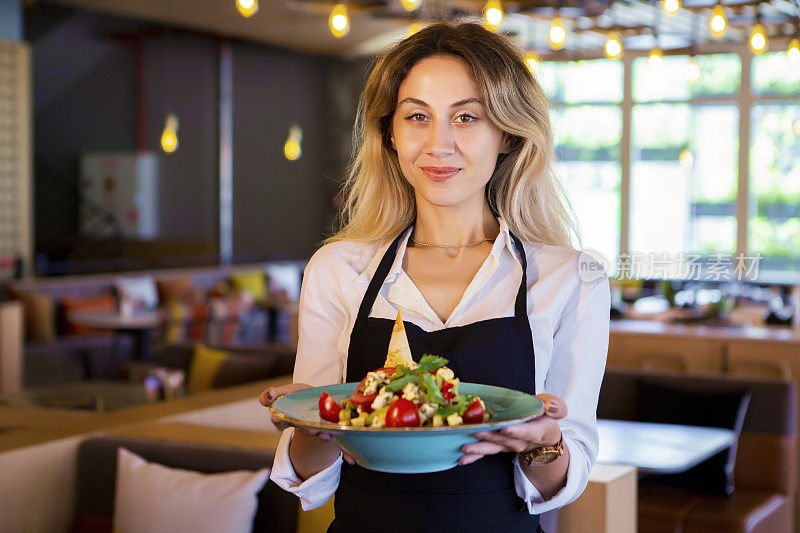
[[440, 173]]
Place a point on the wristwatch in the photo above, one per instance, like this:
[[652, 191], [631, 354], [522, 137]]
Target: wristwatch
[[544, 454]]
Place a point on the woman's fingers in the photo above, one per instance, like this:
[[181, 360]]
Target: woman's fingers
[[349, 458], [273, 393], [555, 407]]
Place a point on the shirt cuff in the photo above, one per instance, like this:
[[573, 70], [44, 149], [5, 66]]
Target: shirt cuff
[[577, 479], [314, 491]]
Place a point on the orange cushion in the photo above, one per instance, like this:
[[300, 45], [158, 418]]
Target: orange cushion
[[105, 302]]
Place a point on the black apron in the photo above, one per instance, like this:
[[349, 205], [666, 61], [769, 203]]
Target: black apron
[[478, 497]]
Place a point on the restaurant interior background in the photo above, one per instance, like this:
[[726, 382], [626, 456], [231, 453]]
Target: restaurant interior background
[[167, 168]]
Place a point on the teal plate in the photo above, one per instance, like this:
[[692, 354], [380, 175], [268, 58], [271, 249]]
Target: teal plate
[[408, 450]]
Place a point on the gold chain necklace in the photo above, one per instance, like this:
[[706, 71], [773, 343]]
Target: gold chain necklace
[[429, 245]]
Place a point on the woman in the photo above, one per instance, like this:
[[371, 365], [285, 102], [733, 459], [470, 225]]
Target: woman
[[454, 217]]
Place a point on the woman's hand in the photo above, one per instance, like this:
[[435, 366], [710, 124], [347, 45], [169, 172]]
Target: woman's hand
[[268, 396], [520, 438]]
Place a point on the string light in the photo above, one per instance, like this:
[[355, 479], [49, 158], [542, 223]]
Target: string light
[[532, 61], [718, 23], [339, 21], [671, 7], [169, 137], [758, 39], [413, 28], [247, 8], [291, 149], [493, 14], [613, 47], [693, 69], [654, 59], [557, 34], [793, 52], [686, 159], [410, 5]]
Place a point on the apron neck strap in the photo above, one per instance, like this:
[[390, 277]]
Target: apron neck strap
[[520, 305]]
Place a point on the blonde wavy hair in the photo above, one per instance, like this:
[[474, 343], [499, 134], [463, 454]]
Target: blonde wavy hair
[[379, 202]]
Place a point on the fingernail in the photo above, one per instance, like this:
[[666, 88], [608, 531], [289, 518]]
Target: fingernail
[[552, 407], [271, 394]]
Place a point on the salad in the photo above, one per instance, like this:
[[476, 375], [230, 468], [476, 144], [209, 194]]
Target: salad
[[407, 395]]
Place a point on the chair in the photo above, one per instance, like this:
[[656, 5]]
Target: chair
[[766, 457]]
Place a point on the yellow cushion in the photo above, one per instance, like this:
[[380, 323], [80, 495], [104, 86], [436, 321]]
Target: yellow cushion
[[204, 367], [252, 281]]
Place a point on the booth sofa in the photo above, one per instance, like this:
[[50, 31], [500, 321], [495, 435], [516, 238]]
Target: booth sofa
[[97, 468], [764, 471]]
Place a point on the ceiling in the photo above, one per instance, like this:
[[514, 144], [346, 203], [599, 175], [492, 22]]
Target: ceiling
[[376, 24]]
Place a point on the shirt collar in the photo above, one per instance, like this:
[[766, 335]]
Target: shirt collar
[[503, 241]]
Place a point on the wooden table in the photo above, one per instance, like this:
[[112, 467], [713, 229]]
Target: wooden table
[[138, 325], [97, 396], [659, 448]]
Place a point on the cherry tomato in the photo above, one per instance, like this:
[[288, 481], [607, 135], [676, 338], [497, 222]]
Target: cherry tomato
[[364, 401], [447, 391], [402, 414], [328, 408], [473, 414]]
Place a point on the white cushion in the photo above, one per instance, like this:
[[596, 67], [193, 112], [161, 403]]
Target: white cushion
[[154, 498]]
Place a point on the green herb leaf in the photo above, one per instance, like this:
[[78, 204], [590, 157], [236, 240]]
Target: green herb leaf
[[431, 362], [399, 383], [431, 390], [444, 412]]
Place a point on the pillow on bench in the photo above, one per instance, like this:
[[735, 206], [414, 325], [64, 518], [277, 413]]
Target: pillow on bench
[[155, 498]]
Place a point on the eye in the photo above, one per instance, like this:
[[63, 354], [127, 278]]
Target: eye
[[416, 117], [466, 118]]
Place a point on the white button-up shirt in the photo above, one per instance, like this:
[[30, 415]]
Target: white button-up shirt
[[569, 321]]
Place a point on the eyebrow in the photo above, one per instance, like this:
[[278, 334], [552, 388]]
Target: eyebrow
[[411, 100]]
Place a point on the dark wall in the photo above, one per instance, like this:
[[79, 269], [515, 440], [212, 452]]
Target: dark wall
[[279, 205], [85, 83], [183, 78]]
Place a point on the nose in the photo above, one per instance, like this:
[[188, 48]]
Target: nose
[[441, 141]]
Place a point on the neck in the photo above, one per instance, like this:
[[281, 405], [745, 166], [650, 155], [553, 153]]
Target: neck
[[451, 226]]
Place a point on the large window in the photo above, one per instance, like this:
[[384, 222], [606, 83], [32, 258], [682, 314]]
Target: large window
[[683, 169], [587, 123], [773, 227]]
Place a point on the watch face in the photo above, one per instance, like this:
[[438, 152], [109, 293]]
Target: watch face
[[543, 459]]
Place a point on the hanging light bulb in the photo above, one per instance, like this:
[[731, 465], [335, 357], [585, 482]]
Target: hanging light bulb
[[693, 69], [291, 149], [793, 52], [493, 14], [686, 159], [671, 7], [413, 28], [758, 39], [613, 47], [532, 61], [247, 8], [718, 23], [557, 34], [169, 137], [339, 21], [654, 59], [410, 5]]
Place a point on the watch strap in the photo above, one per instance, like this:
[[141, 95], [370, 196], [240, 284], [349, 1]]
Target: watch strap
[[544, 454]]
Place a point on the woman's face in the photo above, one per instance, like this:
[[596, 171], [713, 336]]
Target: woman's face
[[446, 145]]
